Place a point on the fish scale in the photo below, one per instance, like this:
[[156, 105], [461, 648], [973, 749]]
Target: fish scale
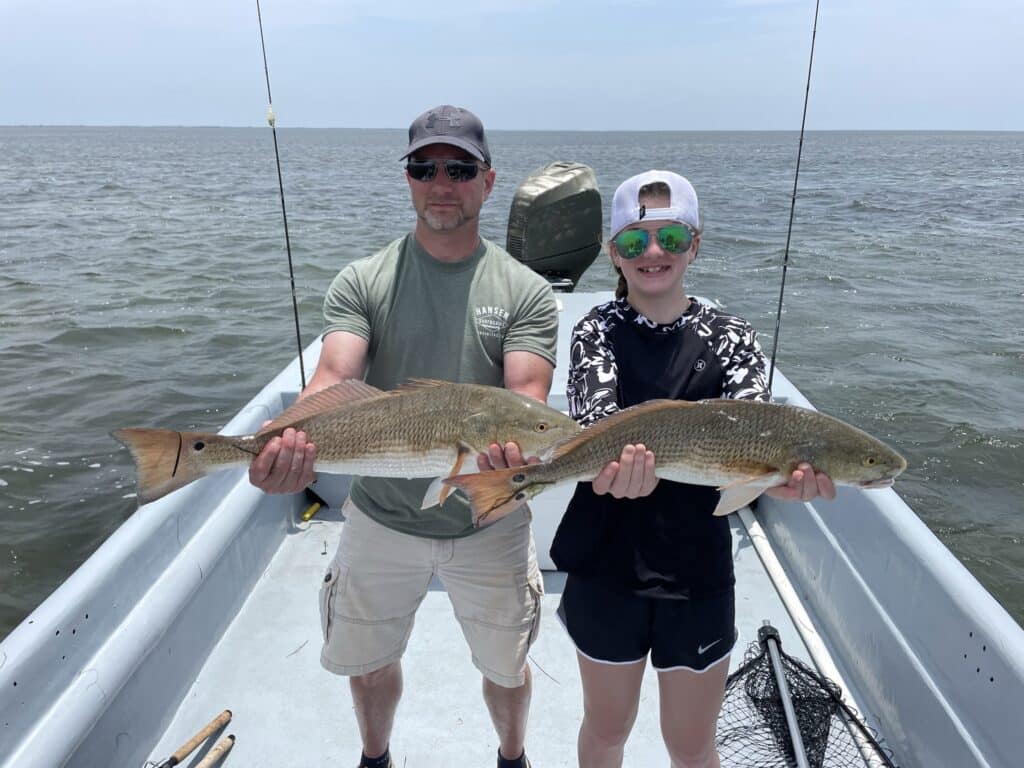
[[698, 443], [423, 429], [741, 446]]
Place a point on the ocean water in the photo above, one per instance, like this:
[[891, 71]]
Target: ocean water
[[143, 281]]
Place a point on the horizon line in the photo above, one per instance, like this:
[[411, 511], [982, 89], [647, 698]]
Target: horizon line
[[520, 130]]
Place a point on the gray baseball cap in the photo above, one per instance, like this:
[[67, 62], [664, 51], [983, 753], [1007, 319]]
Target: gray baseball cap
[[449, 125]]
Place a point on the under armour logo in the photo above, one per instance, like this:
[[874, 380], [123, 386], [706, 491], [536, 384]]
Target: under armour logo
[[700, 365]]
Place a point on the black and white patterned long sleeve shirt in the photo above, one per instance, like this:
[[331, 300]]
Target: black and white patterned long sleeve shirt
[[667, 544], [620, 358]]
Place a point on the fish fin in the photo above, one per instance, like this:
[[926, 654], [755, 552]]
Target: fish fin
[[460, 457], [432, 497], [766, 477], [611, 422], [743, 491], [492, 494], [438, 491], [158, 455], [342, 393], [415, 384]]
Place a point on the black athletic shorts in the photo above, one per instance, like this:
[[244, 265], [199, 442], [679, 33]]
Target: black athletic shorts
[[620, 627]]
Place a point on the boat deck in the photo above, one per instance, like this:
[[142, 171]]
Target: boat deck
[[288, 711]]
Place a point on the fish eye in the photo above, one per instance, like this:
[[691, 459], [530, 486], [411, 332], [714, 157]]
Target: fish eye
[[198, 445], [870, 461], [542, 427]]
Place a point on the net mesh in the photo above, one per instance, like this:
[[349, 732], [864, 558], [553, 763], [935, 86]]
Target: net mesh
[[752, 727]]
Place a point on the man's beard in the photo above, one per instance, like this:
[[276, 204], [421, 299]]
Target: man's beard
[[451, 219]]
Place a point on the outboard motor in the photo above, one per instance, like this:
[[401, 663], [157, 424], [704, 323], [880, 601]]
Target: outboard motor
[[554, 225]]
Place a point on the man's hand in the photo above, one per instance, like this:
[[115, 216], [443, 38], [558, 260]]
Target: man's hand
[[803, 485], [285, 465], [503, 458], [631, 477]]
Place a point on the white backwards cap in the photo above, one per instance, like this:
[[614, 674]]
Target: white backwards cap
[[626, 208]]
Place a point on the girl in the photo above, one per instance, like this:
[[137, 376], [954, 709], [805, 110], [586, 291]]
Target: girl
[[650, 569]]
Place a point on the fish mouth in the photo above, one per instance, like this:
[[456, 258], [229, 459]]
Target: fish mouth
[[885, 482]]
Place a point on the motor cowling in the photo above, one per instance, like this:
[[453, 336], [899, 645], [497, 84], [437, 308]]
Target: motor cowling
[[555, 224]]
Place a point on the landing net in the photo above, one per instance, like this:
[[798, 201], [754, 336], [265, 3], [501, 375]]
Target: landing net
[[753, 730]]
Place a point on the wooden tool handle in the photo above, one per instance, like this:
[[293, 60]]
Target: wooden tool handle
[[186, 749], [214, 755]]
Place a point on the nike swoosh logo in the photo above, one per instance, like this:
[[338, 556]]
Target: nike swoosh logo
[[702, 649]]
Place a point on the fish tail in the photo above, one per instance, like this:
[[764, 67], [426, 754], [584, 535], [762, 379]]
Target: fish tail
[[162, 459], [495, 493]]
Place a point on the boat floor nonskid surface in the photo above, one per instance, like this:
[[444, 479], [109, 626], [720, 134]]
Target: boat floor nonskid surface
[[288, 711]]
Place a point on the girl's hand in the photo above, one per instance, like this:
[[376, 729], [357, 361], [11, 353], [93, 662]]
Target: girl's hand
[[803, 485], [631, 477], [503, 457]]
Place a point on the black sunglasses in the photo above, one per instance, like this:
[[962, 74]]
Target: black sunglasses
[[457, 170]]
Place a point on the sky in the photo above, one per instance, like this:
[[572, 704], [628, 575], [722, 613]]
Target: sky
[[519, 64]]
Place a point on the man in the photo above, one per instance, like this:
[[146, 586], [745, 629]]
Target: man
[[439, 303]]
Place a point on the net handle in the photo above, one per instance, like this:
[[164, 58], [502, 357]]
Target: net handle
[[769, 637]]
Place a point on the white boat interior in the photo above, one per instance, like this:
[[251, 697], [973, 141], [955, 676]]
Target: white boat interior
[[207, 600]]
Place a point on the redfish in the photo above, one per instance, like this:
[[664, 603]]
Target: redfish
[[422, 429], [741, 447]]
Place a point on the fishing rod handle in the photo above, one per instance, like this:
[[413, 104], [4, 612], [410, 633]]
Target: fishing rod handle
[[186, 749], [214, 755]]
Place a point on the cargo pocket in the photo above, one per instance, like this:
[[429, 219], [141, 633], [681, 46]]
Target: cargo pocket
[[328, 590], [536, 587]]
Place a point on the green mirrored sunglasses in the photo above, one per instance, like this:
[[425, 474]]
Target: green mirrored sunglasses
[[673, 238]]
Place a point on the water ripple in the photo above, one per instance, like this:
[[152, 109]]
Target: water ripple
[[143, 281]]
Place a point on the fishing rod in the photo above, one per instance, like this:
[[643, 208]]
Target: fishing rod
[[280, 185], [189, 746], [792, 204]]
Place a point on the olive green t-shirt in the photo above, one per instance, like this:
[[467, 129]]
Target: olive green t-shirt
[[428, 319]]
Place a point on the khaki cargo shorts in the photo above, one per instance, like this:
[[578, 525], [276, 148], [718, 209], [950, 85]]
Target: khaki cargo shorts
[[379, 577]]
